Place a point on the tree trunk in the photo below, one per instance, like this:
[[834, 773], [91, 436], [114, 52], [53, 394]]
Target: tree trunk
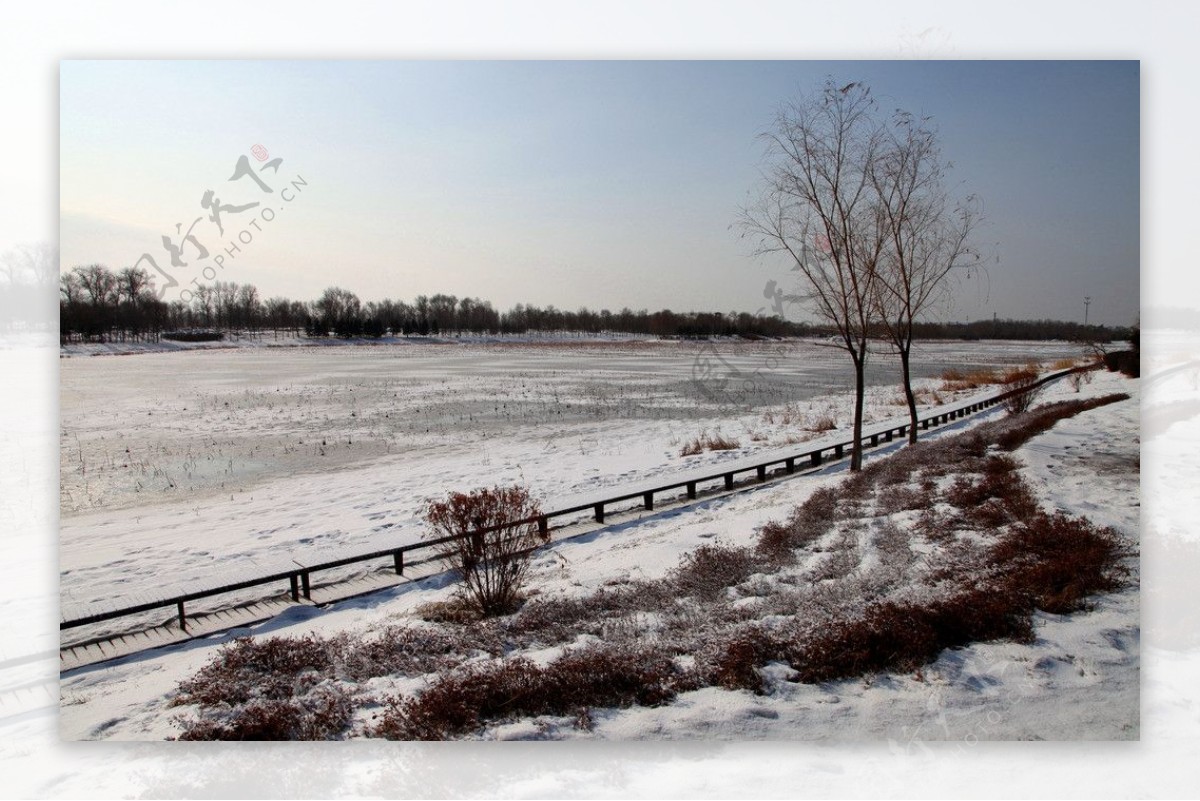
[[860, 363], [909, 396]]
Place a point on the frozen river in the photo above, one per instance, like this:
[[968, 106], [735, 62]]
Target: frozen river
[[190, 463]]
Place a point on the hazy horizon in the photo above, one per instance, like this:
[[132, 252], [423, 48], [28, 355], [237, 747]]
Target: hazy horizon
[[601, 184]]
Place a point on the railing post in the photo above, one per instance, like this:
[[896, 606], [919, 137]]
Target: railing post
[[294, 580], [902, 431], [691, 490], [887, 435], [762, 472], [729, 481], [543, 526], [790, 465], [838, 452], [648, 500], [599, 510], [307, 587], [874, 440], [182, 616], [816, 459], [398, 562]]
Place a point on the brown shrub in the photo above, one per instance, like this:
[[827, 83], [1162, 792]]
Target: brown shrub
[[271, 689], [594, 676], [1020, 382], [1058, 560], [899, 498], [956, 380], [712, 442], [272, 668], [404, 650], [487, 543], [775, 542], [809, 521], [895, 636], [322, 714], [823, 422], [738, 659], [707, 571]]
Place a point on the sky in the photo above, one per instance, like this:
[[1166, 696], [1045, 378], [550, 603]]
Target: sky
[[603, 184]]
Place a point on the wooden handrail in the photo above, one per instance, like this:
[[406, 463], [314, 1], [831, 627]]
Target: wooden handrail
[[300, 575]]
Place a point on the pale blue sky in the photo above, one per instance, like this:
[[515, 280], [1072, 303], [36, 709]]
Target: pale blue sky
[[604, 184]]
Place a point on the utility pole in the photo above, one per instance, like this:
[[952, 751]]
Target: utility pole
[[1087, 301]]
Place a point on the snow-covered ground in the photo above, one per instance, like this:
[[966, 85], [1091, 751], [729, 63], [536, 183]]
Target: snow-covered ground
[[179, 467], [1079, 679]]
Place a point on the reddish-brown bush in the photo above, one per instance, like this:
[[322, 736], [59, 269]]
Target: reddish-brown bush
[[246, 669], [738, 659], [403, 650], [710, 569], [489, 538], [322, 714], [1021, 383], [1058, 560], [585, 678]]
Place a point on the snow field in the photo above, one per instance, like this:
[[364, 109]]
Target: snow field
[[1084, 663]]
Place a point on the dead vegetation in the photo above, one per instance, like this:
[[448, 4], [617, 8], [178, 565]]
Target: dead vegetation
[[706, 441], [801, 595], [957, 380]]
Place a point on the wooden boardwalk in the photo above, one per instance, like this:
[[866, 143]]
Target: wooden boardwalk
[[578, 515]]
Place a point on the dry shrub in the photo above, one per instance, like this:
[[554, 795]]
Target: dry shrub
[[594, 676], [822, 422], [710, 569], [838, 564], [956, 380], [404, 650], [322, 714], [821, 504], [994, 499], [548, 621], [775, 543], [936, 526], [1058, 560], [489, 538], [1020, 382], [1010, 435], [712, 442], [1063, 364], [738, 659], [896, 636], [273, 689], [809, 521], [457, 610], [900, 498], [248, 669]]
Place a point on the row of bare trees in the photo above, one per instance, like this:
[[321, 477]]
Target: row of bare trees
[[857, 203], [27, 276], [97, 304]]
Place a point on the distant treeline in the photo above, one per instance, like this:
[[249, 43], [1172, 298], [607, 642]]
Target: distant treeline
[[98, 305]]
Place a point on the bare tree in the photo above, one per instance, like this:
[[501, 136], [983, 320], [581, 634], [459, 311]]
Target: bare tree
[[819, 209], [928, 237]]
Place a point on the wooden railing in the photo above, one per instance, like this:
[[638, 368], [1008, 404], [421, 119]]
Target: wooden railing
[[299, 578]]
